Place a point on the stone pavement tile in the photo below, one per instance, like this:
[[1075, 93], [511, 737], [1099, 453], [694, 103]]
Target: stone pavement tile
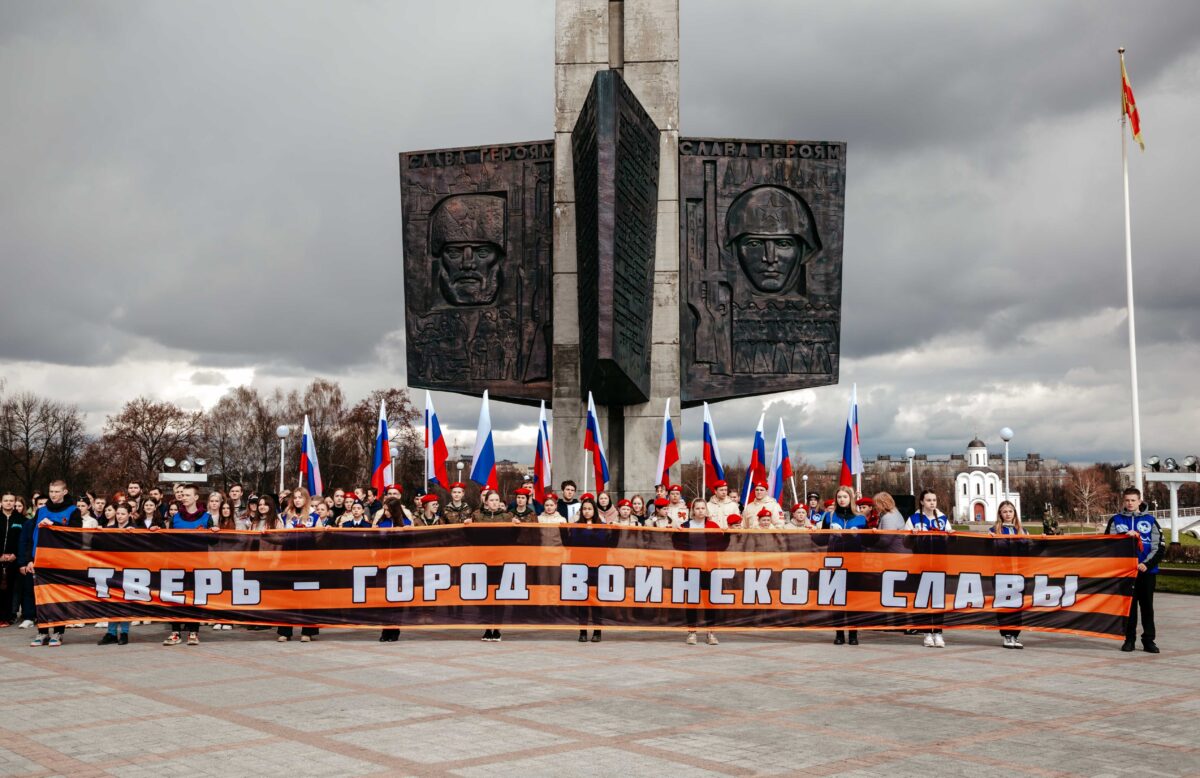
[[586, 762], [14, 669], [631, 674], [861, 680], [926, 765], [342, 712], [739, 696], [296, 759], [489, 693], [111, 707], [996, 701], [1168, 726], [237, 693], [159, 672], [514, 655], [402, 672], [1082, 755], [50, 687], [151, 736], [14, 764], [899, 723], [462, 737], [1112, 688], [763, 748], [610, 716]]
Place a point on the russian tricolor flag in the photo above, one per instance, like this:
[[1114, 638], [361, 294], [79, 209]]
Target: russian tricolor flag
[[781, 465], [757, 471], [436, 452], [713, 469], [381, 463], [594, 443], [668, 447], [852, 463], [310, 469], [541, 459], [483, 464]]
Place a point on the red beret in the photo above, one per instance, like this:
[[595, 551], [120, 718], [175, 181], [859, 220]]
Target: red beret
[[659, 502], [587, 496], [797, 508], [522, 490], [623, 503], [551, 496], [675, 488], [865, 501], [458, 485], [829, 503], [719, 484], [428, 498], [764, 512], [760, 485], [734, 518]]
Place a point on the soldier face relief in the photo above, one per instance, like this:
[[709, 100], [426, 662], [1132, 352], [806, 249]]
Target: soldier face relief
[[466, 236], [769, 260], [772, 232], [470, 273]]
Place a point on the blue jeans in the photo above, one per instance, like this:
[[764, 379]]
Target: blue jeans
[[112, 627]]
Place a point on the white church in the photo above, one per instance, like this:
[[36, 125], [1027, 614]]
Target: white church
[[979, 490]]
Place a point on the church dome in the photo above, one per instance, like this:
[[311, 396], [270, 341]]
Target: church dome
[[976, 443]]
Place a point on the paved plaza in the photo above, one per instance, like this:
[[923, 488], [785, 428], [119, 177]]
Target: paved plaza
[[639, 703]]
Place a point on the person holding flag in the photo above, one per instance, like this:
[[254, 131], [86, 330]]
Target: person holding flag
[[381, 465], [668, 447], [594, 443], [483, 463], [436, 452], [310, 469]]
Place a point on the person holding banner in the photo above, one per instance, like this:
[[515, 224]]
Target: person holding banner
[[843, 517], [493, 511], [721, 504], [430, 511], [624, 516], [568, 504], [298, 512], [357, 517], [550, 514], [638, 505], [521, 511], [1132, 521], [677, 509], [457, 511], [710, 542], [929, 520], [190, 517], [660, 517], [605, 507], [762, 501], [1008, 523], [587, 536]]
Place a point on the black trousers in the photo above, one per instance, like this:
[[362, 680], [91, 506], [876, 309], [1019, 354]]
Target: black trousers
[[1143, 599], [185, 626], [287, 632], [10, 586]]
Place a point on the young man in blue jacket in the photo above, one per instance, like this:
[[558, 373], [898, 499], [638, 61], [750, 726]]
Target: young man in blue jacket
[[60, 511], [1132, 521]]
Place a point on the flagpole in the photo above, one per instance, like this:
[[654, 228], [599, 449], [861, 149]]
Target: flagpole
[[1133, 371]]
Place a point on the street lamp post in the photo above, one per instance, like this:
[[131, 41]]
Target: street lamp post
[[394, 450], [1006, 435], [804, 481], [909, 453], [281, 432], [460, 469]]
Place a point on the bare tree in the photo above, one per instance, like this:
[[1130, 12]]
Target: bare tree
[[147, 431], [39, 440], [1089, 492]]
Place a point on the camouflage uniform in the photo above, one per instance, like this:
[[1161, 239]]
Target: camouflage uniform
[[455, 514]]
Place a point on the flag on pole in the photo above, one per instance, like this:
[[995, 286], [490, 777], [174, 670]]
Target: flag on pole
[[757, 471], [1128, 106], [781, 465], [381, 463], [436, 452], [541, 459], [852, 463], [668, 447], [713, 469], [594, 443], [310, 469], [483, 463]]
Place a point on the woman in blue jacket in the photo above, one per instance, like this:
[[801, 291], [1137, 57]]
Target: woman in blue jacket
[[843, 516]]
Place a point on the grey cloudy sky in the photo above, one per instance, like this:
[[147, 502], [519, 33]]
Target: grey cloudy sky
[[197, 195]]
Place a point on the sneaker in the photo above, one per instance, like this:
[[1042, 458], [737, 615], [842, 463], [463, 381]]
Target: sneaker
[[226, 626], [40, 640], [929, 640], [173, 639], [124, 639], [305, 638], [487, 636], [55, 640], [26, 624], [691, 639], [1008, 641], [108, 639], [193, 639], [1149, 647], [939, 641], [102, 624], [282, 639], [496, 636], [216, 626], [712, 640], [1016, 643]]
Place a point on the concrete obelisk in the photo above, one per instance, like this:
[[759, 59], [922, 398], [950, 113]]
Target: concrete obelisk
[[639, 38]]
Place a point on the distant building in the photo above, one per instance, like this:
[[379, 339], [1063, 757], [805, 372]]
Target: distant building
[[979, 490]]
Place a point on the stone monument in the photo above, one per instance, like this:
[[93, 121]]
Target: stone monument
[[618, 258]]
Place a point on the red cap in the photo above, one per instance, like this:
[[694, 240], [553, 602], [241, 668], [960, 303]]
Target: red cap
[[458, 485], [797, 508], [829, 503], [428, 498], [734, 518], [760, 485], [764, 512], [659, 502], [523, 491], [865, 501], [551, 496], [675, 488], [719, 484], [587, 496], [623, 503]]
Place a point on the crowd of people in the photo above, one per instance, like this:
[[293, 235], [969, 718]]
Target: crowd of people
[[366, 508]]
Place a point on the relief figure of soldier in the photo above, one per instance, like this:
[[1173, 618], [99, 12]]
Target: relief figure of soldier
[[772, 231], [467, 238]]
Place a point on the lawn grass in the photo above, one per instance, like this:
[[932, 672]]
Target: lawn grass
[[1177, 584]]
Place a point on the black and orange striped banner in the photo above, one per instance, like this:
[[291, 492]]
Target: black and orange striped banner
[[569, 575]]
